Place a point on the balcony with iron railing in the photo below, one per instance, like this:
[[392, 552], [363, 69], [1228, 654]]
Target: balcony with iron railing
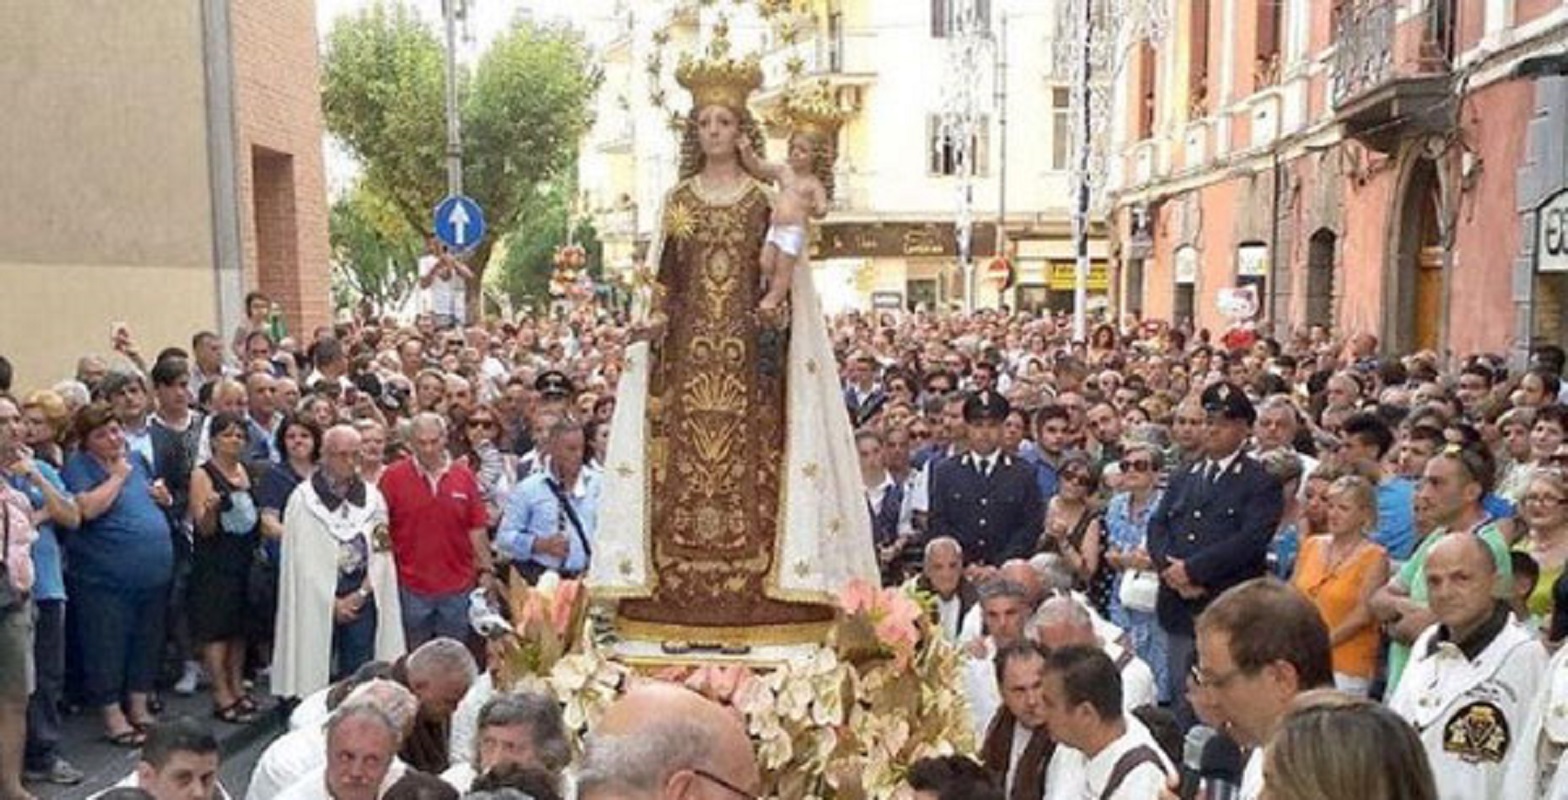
[[1391, 70]]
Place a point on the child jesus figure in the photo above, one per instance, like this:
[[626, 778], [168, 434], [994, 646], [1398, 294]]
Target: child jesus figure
[[801, 198]]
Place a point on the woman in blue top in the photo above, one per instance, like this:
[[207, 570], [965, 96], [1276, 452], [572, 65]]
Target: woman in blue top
[[121, 561], [1127, 523], [299, 440]]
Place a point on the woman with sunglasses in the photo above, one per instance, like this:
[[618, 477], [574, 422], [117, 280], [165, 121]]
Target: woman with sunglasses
[[491, 467], [1135, 582], [1544, 508], [1074, 531]]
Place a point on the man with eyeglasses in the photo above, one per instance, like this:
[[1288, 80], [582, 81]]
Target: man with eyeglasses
[[1448, 500], [1259, 645], [1473, 673], [1213, 526]]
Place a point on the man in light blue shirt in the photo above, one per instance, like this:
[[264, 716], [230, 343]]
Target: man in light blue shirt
[[537, 531]]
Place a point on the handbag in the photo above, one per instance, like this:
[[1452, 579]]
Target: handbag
[[1139, 590], [11, 598]]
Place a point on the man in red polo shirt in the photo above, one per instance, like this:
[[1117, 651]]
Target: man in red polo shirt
[[438, 534]]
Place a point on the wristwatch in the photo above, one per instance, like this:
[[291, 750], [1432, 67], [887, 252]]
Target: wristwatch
[[363, 592]]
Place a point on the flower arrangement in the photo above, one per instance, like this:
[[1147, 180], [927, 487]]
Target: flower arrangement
[[840, 722], [569, 261], [545, 618]]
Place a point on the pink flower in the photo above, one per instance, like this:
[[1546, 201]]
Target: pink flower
[[858, 596], [564, 603]]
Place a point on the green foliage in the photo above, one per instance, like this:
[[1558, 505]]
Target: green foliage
[[523, 112], [374, 251], [530, 250]]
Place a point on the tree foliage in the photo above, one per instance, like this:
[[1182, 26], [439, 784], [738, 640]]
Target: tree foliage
[[530, 250], [523, 110], [374, 251]]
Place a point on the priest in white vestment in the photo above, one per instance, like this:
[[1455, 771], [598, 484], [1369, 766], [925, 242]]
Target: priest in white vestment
[[337, 592]]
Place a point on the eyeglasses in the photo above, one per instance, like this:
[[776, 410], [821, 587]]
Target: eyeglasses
[[1217, 682], [706, 775], [1545, 499], [919, 434], [1079, 478], [481, 423], [1128, 465]]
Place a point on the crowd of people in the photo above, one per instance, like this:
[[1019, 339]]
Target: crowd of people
[[1280, 546]]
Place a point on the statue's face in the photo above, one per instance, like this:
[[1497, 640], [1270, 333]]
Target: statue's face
[[718, 130]]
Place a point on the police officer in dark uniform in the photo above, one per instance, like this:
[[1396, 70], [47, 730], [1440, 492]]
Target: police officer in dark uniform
[[987, 500], [1212, 527]]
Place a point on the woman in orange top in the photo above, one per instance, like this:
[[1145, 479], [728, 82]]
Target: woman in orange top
[[1339, 571]]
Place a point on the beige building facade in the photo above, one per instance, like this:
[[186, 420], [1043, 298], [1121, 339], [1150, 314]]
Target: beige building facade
[[161, 159]]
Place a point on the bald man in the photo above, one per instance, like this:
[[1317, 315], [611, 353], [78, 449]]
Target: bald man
[[660, 742], [1472, 676]]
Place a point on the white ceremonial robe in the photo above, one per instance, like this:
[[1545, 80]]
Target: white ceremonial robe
[[981, 690], [1138, 687], [311, 710], [302, 649], [1536, 767], [825, 535], [1469, 712], [287, 760], [461, 740]]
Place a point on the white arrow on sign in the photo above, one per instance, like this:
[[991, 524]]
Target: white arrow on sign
[[459, 220]]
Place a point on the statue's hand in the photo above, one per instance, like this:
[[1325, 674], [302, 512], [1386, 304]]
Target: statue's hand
[[651, 329]]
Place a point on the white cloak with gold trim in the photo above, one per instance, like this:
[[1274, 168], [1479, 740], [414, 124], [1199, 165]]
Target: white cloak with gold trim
[[825, 539], [302, 643]]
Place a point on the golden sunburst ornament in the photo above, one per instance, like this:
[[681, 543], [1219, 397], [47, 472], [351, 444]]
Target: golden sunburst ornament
[[680, 222]]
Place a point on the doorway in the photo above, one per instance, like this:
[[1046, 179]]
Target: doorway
[[1320, 278], [1414, 304]]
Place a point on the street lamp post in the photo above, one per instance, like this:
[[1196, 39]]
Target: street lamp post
[[1097, 36], [454, 141]]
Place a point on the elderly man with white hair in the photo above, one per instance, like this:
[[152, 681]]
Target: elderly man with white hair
[[360, 760], [1065, 622], [302, 752], [338, 603], [942, 574]]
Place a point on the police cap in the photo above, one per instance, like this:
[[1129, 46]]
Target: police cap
[[1228, 402], [553, 383], [987, 406]]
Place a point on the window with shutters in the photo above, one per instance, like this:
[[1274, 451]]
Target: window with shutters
[[945, 158]]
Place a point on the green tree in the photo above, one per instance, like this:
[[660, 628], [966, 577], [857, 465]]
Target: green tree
[[374, 251], [523, 110], [530, 250]]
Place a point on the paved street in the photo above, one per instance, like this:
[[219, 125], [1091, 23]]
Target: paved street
[[105, 764]]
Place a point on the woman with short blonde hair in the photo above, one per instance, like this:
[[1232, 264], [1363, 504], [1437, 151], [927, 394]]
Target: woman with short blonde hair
[[1339, 571], [1332, 746]]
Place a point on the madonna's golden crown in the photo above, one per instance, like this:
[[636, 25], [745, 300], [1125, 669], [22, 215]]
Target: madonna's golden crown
[[718, 78]]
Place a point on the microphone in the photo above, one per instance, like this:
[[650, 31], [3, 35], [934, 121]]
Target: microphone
[[1192, 751], [1220, 769]]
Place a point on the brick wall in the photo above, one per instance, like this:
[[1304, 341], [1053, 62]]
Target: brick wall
[[282, 185]]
